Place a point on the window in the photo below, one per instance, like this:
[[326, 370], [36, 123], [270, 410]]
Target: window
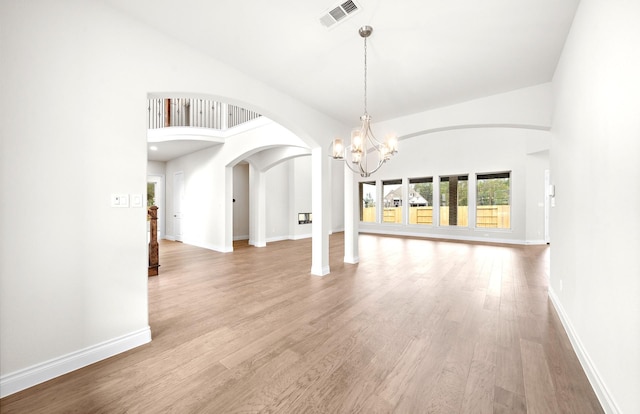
[[420, 200], [368, 202], [493, 200], [151, 194], [454, 210], [392, 198]]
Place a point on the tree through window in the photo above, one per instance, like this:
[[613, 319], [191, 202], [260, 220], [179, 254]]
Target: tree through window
[[368, 202], [392, 198], [454, 210], [493, 200], [421, 200]]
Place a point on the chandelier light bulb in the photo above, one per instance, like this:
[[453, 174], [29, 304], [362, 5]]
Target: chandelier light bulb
[[356, 141], [392, 143], [338, 148]]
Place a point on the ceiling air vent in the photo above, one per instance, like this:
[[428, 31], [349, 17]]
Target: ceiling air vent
[[338, 13]]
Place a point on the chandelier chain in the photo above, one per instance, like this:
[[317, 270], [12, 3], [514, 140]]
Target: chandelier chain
[[365, 76]]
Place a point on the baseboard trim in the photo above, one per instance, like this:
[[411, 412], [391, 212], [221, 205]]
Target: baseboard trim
[[604, 396], [535, 242], [289, 237], [320, 271], [352, 259], [236, 238], [215, 248], [444, 236], [276, 239], [39, 373], [300, 236]]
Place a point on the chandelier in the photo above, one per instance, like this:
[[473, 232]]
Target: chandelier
[[365, 155]]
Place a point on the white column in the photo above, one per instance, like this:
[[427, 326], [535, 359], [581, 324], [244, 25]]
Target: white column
[[405, 201], [379, 202], [436, 201], [320, 207], [253, 197], [351, 216], [257, 207]]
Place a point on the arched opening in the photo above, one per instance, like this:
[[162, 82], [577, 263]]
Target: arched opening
[[210, 218]]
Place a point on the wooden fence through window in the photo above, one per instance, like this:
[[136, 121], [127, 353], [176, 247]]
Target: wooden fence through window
[[498, 217]]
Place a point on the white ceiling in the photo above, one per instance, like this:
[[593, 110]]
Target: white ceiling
[[168, 150], [422, 53]]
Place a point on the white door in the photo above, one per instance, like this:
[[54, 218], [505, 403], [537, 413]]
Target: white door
[[178, 198]]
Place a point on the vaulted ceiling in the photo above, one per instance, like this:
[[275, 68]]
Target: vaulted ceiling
[[422, 54]]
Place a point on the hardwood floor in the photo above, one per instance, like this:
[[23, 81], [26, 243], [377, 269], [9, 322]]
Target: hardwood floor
[[419, 326]]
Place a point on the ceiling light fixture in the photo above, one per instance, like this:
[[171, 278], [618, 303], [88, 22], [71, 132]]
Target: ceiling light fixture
[[365, 155]]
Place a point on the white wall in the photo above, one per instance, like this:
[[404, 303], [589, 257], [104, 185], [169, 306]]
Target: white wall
[[200, 195], [74, 270], [472, 151], [337, 195], [85, 295], [492, 134], [595, 167], [278, 212], [156, 167], [301, 196], [288, 187], [535, 166], [528, 107], [208, 195]]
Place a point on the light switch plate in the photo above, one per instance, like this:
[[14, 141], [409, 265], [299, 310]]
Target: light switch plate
[[119, 200], [136, 200]]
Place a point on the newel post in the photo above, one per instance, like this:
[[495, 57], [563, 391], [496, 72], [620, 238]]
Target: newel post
[[154, 260]]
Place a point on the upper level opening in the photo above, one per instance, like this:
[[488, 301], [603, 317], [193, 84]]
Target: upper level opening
[[180, 126], [194, 112]]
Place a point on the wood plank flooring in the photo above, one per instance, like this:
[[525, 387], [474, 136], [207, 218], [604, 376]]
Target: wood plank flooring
[[419, 326]]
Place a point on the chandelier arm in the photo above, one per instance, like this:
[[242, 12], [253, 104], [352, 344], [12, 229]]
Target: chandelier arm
[[348, 164], [362, 170], [364, 165], [380, 163], [348, 160], [374, 140]]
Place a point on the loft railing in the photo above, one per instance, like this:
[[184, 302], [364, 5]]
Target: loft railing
[[203, 113]]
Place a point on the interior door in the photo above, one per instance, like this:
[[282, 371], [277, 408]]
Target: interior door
[[178, 199]]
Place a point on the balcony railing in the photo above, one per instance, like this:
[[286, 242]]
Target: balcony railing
[[203, 113]]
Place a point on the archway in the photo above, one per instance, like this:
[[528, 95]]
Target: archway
[[233, 151]]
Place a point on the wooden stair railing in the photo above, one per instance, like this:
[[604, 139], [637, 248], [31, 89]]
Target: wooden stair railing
[[154, 260]]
